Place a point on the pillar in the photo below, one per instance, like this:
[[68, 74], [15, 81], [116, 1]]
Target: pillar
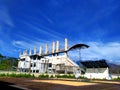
[[53, 47], [30, 53], [57, 46], [46, 49], [25, 52], [40, 50], [35, 51], [66, 44]]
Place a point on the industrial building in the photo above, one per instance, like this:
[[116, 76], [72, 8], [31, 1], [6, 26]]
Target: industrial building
[[57, 61], [54, 61]]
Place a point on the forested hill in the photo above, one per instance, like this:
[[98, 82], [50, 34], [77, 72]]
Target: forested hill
[[8, 63]]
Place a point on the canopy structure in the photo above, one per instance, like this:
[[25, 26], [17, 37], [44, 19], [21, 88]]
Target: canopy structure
[[79, 47]]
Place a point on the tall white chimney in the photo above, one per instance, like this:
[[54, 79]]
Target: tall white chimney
[[57, 46], [66, 44], [25, 52], [40, 51], [30, 52], [46, 49], [53, 47], [35, 51]]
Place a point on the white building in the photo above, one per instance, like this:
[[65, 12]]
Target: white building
[[54, 61], [96, 69]]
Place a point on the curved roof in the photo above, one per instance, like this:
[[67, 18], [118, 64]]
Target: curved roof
[[78, 46]]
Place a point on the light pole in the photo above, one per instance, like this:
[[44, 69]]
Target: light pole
[[79, 50]]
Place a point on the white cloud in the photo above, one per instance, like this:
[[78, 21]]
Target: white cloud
[[21, 44], [98, 50], [5, 17], [108, 51], [43, 30]]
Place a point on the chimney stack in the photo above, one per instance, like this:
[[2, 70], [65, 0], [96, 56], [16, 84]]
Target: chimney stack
[[25, 52], [46, 49], [35, 51], [30, 53], [53, 47], [57, 46], [40, 51], [66, 44]]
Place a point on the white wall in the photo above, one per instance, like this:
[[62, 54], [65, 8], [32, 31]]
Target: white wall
[[25, 63], [97, 73], [113, 76], [53, 59]]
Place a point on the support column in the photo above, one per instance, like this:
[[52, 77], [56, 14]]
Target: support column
[[32, 66], [39, 66], [36, 61], [53, 50], [66, 44]]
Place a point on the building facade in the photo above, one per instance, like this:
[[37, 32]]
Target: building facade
[[54, 61]]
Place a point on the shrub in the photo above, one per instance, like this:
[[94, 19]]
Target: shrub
[[51, 76], [118, 78], [2, 75], [65, 76], [43, 76], [82, 77], [17, 75]]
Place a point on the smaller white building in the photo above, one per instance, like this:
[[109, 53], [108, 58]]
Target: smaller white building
[[96, 69]]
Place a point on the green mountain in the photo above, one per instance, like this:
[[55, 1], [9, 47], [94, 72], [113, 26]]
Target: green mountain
[[8, 63]]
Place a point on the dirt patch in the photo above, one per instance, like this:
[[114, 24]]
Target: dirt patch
[[71, 83]]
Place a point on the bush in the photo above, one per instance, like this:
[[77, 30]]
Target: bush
[[43, 76], [118, 78], [2, 75], [17, 75], [65, 76], [51, 76], [82, 77]]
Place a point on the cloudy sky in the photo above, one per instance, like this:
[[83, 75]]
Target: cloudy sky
[[27, 24]]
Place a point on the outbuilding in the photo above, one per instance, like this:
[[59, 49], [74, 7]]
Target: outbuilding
[[98, 69]]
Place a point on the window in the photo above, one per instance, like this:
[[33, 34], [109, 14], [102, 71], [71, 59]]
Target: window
[[50, 64], [34, 64]]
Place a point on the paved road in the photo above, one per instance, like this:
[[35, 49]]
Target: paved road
[[10, 86]]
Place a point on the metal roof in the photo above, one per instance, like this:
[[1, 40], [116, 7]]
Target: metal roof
[[95, 64]]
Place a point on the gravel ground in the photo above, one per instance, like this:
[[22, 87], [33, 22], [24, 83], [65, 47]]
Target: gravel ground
[[37, 84]]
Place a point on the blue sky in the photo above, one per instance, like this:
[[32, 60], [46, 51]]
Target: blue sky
[[27, 24]]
